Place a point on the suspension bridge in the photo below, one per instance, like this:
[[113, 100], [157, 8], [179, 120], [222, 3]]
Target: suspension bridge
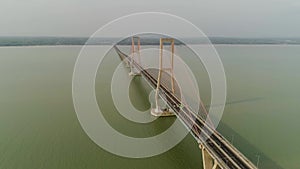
[[217, 152]]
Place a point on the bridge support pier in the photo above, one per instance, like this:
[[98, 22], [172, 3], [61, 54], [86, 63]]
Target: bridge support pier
[[132, 73], [162, 112], [209, 162]]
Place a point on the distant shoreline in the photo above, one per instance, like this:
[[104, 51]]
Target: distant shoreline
[[147, 40], [232, 45]]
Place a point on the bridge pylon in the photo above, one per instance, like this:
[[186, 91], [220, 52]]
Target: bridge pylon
[[135, 52], [157, 111]]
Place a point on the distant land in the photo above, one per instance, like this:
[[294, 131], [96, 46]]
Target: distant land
[[148, 40]]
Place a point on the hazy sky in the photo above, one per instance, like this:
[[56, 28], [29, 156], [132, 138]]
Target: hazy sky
[[236, 18]]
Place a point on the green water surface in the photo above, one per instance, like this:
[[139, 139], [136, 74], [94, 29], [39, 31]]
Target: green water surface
[[39, 127]]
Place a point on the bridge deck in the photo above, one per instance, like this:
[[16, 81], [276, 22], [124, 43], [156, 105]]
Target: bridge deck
[[225, 154]]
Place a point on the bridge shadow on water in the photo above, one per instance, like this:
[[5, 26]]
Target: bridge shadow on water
[[238, 101], [244, 100]]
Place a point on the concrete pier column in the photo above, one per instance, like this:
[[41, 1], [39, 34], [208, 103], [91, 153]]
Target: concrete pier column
[[208, 161]]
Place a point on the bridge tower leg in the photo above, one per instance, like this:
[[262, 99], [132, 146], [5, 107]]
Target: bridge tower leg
[[209, 162], [157, 111], [135, 51]]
